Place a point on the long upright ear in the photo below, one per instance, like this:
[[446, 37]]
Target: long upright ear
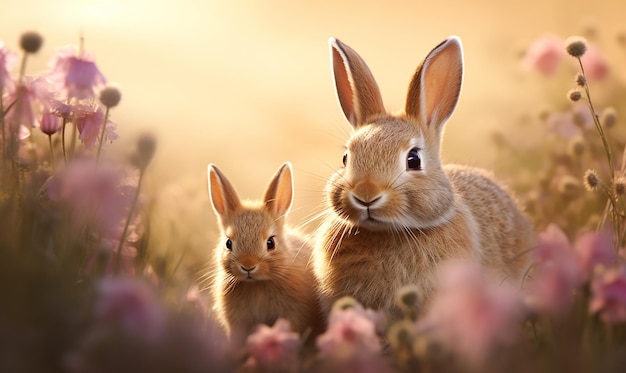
[[357, 90], [223, 196], [436, 85], [279, 194]]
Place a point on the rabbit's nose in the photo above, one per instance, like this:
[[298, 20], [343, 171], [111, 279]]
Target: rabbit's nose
[[246, 269], [365, 203]]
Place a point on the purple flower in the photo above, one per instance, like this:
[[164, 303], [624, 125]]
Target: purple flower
[[8, 60], [545, 55], [76, 76], [89, 122], [608, 295], [595, 249], [557, 272], [472, 313], [273, 347], [50, 123], [130, 304]]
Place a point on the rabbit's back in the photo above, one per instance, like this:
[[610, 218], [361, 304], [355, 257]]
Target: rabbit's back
[[505, 235]]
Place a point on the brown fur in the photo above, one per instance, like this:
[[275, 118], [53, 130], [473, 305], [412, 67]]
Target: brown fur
[[283, 284], [390, 226]]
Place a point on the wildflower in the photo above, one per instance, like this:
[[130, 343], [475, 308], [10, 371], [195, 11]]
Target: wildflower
[[591, 181], [576, 46], [472, 313], [557, 272], [568, 185], [49, 123], [97, 197], [620, 185], [274, 347], [609, 117], [595, 64], [595, 249], [577, 146], [31, 41], [349, 333], [132, 305], [110, 96], [608, 295], [8, 59], [544, 55], [35, 95], [61, 109], [77, 76], [89, 122], [574, 95], [146, 146], [580, 80]]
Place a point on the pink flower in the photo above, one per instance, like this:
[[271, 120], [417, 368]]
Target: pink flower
[[472, 313], [544, 55], [97, 197], [34, 96], [50, 123], [7, 62], [132, 305], [557, 272], [89, 122], [61, 109], [595, 249], [595, 65], [77, 76], [350, 343], [608, 295], [273, 347]]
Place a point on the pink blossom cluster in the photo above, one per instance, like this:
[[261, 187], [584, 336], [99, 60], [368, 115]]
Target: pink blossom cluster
[[547, 54], [68, 91]]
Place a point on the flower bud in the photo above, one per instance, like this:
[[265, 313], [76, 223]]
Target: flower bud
[[576, 46], [110, 96], [31, 41], [574, 95]]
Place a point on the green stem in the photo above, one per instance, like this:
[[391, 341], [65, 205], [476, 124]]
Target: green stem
[[130, 217], [104, 125]]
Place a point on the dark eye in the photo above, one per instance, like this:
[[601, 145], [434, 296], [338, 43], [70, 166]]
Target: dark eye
[[270, 243], [345, 158], [229, 244], [413, 160]]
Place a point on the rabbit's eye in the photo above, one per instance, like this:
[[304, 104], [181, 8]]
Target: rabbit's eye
[[413, 160], [229, 244], [271, 244], [345, 158]]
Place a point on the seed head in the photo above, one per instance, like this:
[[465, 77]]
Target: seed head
[[146, 146], [591, 181], [569, 185], [408, 297], [345, 302], [609, 117], [574, 95], [576, 46], [577, 146], [110, 96], [620, 186], [31, 41], [580, 80]]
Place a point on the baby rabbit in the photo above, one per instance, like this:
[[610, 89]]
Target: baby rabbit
[[261, 265], [394, 212]]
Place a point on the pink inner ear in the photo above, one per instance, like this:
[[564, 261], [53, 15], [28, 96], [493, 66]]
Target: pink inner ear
[[344, 88]]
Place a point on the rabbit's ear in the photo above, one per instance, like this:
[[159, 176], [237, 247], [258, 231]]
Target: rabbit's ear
[[279, 194], [223, 196], [357, 90], [436, 85]]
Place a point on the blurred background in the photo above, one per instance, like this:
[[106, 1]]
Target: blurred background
[[247, 84]]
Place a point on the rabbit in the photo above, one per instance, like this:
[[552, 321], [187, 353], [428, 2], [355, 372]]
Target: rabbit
[[262, 265], [394, 213]]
